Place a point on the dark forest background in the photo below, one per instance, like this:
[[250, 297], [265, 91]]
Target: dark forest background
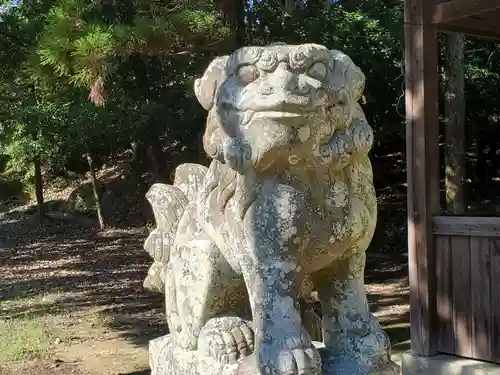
[[96, 96]]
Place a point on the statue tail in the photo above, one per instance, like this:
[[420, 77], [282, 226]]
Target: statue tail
[[168, 203]]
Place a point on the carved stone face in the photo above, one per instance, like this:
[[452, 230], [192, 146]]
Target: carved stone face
[[284, 83], [280, 105]]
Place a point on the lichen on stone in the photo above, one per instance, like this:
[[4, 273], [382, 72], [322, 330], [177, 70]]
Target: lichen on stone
[[287, 203]]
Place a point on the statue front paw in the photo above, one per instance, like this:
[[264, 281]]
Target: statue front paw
[[182, 334], [362, 136], [238, 154], [226, 339], [290, 354]]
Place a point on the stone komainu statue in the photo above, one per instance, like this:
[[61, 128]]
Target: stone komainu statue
[[288, 197]]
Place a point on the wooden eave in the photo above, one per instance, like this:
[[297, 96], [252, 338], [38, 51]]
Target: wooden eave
[[474, 17]]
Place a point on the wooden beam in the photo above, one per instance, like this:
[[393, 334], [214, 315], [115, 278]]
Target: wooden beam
[[474, 26], [482, 34], [456, 9], [466, 226], [422, 133]]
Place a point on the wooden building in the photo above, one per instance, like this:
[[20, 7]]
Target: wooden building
[[454, 261]]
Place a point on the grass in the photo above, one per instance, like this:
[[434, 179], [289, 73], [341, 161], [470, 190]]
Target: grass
[[96, 319], [27, 338]]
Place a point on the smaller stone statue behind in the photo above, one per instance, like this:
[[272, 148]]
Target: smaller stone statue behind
[[287, 203]]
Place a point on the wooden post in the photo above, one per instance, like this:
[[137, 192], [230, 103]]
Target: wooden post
[[422, 131]]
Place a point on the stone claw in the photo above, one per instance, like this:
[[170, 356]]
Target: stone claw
[[226, 339], [299, 361], [297, 356], [186, 340]]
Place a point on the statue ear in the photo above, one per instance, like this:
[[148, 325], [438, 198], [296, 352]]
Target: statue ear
[[205, 88], [351, 75]]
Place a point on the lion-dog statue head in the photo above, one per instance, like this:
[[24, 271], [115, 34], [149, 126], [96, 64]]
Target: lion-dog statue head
[[280, 105]]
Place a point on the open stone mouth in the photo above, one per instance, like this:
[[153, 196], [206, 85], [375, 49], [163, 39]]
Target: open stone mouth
[[248, 115], [282, 114]]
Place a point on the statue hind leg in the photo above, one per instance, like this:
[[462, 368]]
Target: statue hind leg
[[350, 332], [202, 281]]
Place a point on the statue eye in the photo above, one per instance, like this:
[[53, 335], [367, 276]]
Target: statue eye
[[317, 71], [248, 73]]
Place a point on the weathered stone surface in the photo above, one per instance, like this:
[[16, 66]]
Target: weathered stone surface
[[189, 178], [168, 203], [287, 201], [155, 280], [166, 358]]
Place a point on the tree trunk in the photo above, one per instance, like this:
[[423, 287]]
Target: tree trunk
[[135, 156], [135, 165], [95, 189], [239, 16], [155, 167], [233, 12], [291, 5], [455, 125], [39, 187], [37, 164]]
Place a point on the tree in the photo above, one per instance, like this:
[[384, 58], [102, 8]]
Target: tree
[[140, 59], [233, 14], [455, 124], [26, 110], [86, 129], [85, 41]]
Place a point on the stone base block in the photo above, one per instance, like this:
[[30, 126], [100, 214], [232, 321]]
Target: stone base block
[[446, 365], [167, 359]]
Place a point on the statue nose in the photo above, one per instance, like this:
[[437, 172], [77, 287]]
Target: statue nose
[[295, 85], [284, 79], [302, 84]]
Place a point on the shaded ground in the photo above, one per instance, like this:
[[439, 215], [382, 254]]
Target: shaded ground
[[84, 289], [90, 286]]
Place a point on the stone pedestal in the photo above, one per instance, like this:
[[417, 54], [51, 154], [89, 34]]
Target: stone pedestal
[[167, 359]]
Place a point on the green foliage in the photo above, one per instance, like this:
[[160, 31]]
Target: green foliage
[[83, 41], [140, 59], [369, 32], [35, 133]]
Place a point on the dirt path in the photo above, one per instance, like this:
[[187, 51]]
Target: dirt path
[[84, 288], [72, 301]]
